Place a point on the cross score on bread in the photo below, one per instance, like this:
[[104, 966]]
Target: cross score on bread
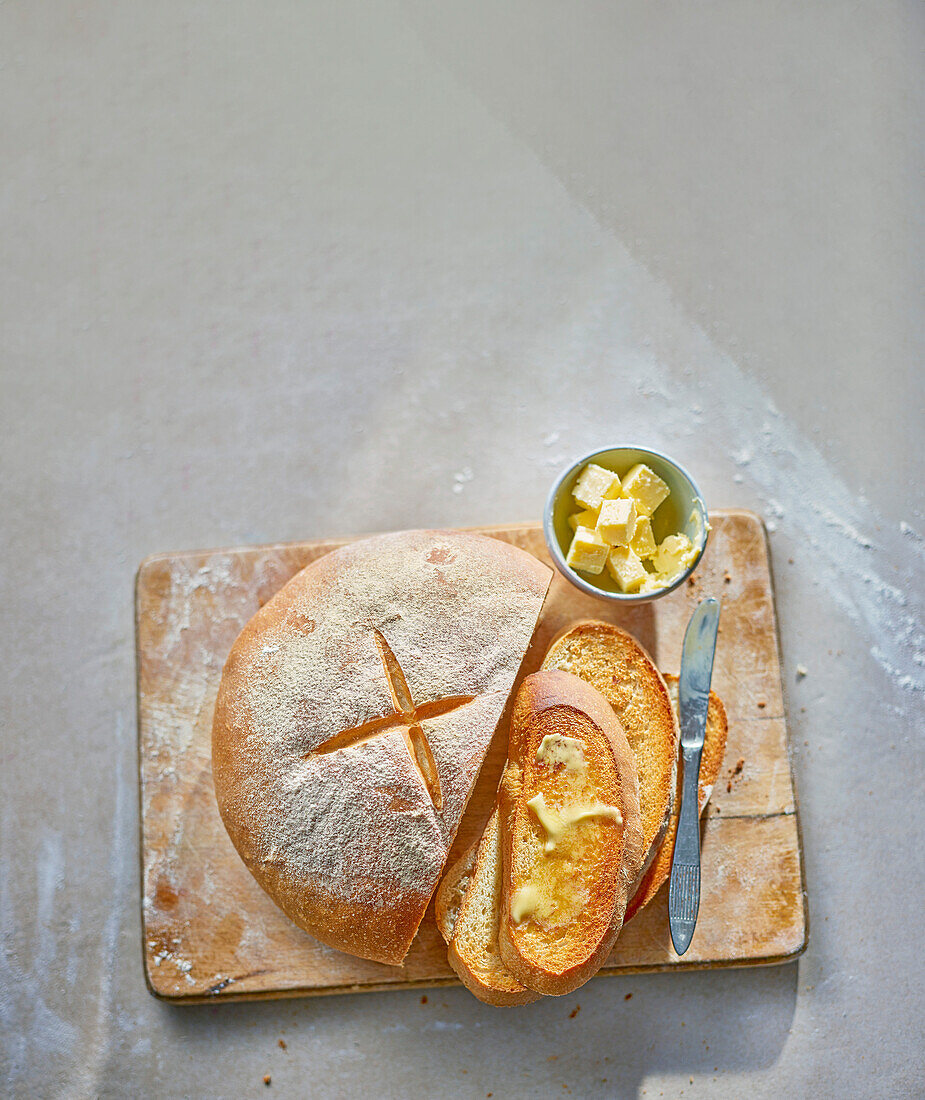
[[407, 716]]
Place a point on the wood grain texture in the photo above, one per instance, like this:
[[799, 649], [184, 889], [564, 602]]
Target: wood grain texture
[[209, 931]]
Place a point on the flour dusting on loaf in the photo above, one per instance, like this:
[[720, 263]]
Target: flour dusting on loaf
[[349, 841]]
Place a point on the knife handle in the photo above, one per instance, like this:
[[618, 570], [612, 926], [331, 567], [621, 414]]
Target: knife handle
[[684, 886]]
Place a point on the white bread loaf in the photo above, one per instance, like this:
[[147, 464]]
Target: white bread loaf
[[353, 715]]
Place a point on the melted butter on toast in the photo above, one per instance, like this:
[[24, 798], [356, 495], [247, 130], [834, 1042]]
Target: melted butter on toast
[[571, 816]]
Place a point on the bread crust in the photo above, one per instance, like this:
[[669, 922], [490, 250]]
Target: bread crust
[[632, 684], [351, 843], [714, 748], [572, 704]]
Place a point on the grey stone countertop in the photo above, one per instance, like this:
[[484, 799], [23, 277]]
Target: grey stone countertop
[[274, 271]]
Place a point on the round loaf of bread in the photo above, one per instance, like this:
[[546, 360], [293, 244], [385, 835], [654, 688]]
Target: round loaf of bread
[[354, 712]]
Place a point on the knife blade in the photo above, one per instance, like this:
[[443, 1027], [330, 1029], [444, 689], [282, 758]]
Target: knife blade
[[693, 699]]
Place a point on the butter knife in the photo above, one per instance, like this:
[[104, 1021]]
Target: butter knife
[[693, 699]]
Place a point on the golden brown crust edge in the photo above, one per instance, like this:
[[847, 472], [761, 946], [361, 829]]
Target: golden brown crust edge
[[488, 995], [539, 692]]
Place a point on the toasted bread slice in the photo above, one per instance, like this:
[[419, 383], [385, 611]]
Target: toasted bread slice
[[473, 924], [613, 661], [714, 746], [571, 833], [452, 890]]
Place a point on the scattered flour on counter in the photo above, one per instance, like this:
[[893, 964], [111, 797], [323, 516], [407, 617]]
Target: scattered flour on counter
[[668, 369], [844, 527], [911, 535], [461, 478], [831, 519]]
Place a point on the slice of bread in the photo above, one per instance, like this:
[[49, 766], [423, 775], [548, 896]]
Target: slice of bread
[[452, 890], [571, 833], [714, 746], [473, 942], [613, 661]]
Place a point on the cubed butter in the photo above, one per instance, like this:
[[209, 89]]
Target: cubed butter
[[643, 541], [646, 488], [588, 551], [617, 521], [594, 484], [587, 518], [627, 570], [673, 556]]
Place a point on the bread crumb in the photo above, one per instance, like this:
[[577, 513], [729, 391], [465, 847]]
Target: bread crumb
[[282, 1044], [762, 703], [729, 787], [627, 997], [267, 1080], [727, 579], [574, 1012], [424, 999], [802, 672], [740, 764]]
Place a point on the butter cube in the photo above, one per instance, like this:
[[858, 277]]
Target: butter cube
[[626, 569], [646, 488], [674, 555], [588, 551], [617, 521], [587, 518], [594, 484], [643, 541]]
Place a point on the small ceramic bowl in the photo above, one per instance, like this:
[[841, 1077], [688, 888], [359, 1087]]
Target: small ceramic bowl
[[683, 512]]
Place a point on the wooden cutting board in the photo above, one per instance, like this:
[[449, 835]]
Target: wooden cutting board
[[210, 933]]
